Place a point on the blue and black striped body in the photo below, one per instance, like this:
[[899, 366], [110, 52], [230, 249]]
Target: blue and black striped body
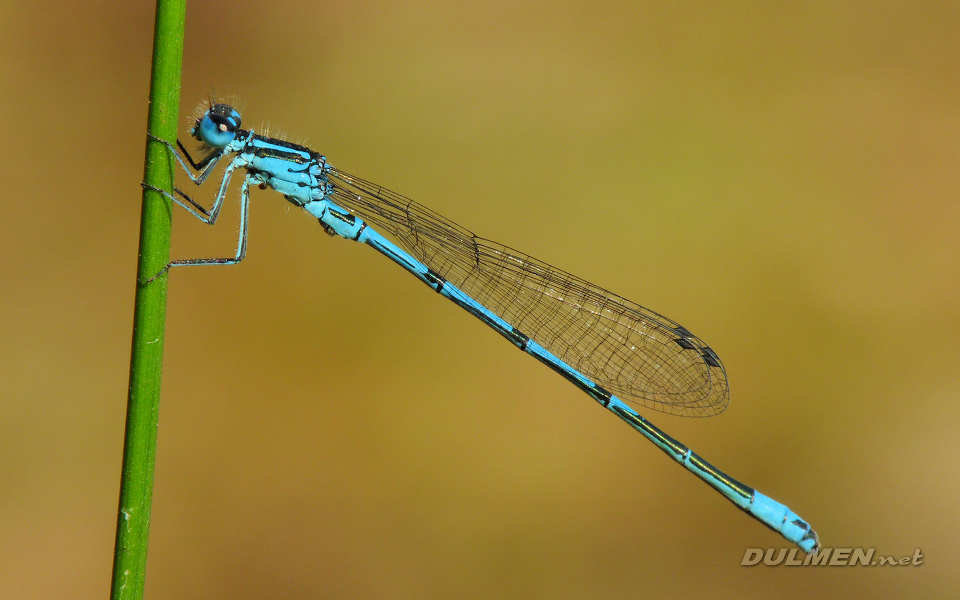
[[295, 171], [768, 511], [618, 349]]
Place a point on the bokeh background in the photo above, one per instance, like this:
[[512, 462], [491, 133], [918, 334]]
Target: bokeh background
[[781, 179]]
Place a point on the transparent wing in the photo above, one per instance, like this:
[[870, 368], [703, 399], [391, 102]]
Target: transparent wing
[[633, 352]]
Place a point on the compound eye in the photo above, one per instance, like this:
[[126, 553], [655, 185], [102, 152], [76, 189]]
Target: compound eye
[[226, 115], [222, 124], [218, 127]]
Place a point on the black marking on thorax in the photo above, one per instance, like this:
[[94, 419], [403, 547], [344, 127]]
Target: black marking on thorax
[[297, 153]]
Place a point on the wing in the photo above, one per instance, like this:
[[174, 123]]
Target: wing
[[635, 353]]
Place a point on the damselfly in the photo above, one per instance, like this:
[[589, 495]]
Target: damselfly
[[606, 345]]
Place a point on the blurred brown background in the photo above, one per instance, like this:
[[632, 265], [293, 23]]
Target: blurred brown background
[[783, 181]]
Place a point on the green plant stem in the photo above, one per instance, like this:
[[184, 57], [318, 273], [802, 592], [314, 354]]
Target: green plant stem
[[146, 359]]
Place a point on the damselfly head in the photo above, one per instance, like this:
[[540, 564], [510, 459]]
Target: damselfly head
[[218, 126]]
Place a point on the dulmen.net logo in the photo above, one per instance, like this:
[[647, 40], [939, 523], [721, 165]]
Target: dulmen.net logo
[[827, 557]]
